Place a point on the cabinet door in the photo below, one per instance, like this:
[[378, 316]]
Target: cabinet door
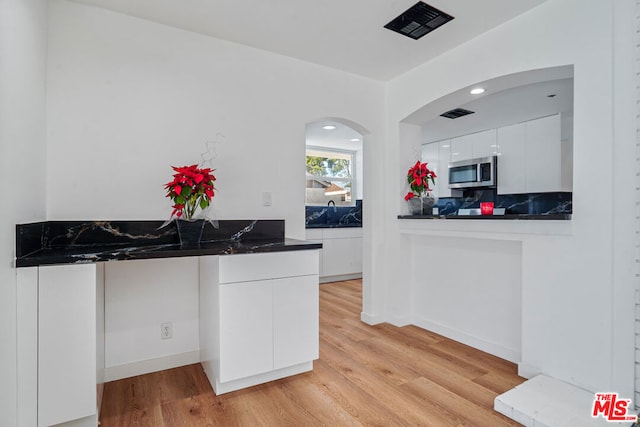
[[246, 329], [511, 162], [484, 144], [543, 155], [342, 256], [66, 343], [431, 157], [462, 148], [442, 180], [295, 320]]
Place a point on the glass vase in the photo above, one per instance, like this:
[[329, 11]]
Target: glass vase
[[190, 232]]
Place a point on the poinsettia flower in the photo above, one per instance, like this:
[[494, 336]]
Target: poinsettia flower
[[419, 177], [190, 188]]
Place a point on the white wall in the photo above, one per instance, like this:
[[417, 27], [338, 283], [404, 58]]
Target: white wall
[[140, 296], [22, 161], [124, 105], [575, 309], [475, 297]]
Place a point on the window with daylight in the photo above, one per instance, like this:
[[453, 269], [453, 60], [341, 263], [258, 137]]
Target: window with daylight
[[330, 177]]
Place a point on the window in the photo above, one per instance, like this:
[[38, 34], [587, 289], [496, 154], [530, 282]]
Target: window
[[329, 177]]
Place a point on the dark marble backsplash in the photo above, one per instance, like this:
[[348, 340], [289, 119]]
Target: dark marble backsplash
[[78, 234], [334, 216], [529, 203]]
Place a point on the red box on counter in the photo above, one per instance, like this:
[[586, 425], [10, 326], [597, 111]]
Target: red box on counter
[[486, 208]]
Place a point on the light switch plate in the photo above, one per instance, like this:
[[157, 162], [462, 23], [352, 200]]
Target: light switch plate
[[266, 198]]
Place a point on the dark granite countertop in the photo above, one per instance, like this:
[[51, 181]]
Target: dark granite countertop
[[492, 217], [351, 225], [71, 242]]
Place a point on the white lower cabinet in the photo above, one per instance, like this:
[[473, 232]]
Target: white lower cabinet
[[66, 389], [246, 329], [341, 253], [257, 330], [342, 256], [260, 324], [295, 320]]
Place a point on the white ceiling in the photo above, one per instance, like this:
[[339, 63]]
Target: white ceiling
[[348, 35], [342, 137], [505, 108]]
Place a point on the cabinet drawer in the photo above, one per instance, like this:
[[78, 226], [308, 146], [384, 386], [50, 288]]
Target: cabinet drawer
[[342, 233], [249, 267]]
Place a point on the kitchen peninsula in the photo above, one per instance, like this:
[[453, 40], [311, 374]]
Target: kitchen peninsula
[[258, 306]]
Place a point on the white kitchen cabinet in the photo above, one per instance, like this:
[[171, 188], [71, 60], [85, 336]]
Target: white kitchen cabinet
[[341, 253], [484, 144], [462, 148], [66, 344], [544, 155], [431, 157], [342, 256], [442, 180], [258, 317], [295, 320], [246, 329], [512, 159], [530, 157]]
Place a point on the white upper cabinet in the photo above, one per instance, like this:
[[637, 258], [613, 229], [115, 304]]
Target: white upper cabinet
[[444, 156], [462, 148], [438, 156], [512, 159], [474, 145], [484, 144], [431, 156], [543, 155], [532, 158]]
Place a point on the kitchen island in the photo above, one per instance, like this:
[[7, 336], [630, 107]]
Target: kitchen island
[[258, 306]]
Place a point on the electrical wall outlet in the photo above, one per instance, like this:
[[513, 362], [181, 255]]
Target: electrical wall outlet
[[166, 330], [266, 198]]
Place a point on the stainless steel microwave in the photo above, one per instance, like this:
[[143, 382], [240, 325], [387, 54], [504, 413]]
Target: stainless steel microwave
[[480, 172]]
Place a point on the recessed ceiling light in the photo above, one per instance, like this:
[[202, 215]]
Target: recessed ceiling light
[[476, 91], [355, 140], [455, 154], [328, 127], [445, 145]]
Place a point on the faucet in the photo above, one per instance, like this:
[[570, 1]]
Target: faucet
[[334, 205]]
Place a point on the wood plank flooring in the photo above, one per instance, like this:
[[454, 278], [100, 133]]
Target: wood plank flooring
[[366, 376]]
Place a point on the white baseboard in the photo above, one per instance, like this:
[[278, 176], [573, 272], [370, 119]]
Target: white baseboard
[[226, 387], [141, 367], [486, 346], [371, 319], [399, 321], [527, 371], [340, 278]]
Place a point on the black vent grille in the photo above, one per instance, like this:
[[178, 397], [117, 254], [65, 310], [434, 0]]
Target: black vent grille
[[418, 20], [455, 113]]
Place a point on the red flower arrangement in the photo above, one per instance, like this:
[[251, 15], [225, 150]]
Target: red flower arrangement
[[418, 178], [191, 187]]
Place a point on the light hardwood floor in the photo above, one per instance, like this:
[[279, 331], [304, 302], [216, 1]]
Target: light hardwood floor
[[366, 376]]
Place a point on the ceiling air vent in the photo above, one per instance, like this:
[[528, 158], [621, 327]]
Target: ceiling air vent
[[418, 20], [455, 113]]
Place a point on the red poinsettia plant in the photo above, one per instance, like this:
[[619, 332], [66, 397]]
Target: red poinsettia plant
[[191, 188], [418, 177]]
